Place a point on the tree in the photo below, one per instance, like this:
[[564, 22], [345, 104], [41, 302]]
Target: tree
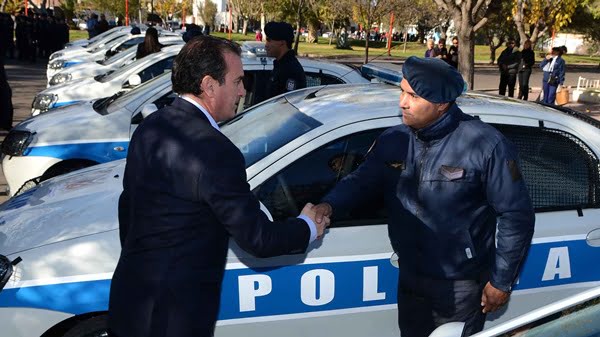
[[586, 21], [245, 10], [499, 27], [534, 18], [368, 12], [468, 16], [207, 10]]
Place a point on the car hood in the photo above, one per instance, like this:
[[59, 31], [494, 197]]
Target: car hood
[[75, 116], [70, 206]]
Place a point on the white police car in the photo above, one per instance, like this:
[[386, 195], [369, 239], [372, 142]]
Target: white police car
[[296, 147], [95, 68], [98, 131], [82, 43], [124, 78]]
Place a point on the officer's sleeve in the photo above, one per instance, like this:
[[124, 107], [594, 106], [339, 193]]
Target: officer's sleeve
[[222, 184], [365, 183], [508, 195]]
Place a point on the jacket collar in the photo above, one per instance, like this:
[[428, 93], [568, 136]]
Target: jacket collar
[[441, 127], [185, 106], [289, 55]]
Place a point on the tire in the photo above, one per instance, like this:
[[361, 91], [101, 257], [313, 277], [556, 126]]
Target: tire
[[92, 327]]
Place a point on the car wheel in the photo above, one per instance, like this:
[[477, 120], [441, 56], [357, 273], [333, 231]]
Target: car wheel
[[92, 327], [29, 184]]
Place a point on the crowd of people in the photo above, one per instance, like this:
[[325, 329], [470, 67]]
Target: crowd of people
[[34, 35], [449, 55]]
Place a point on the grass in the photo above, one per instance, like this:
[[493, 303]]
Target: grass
[[376, 49]]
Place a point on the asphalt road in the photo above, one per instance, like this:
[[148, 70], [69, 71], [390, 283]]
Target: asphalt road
[[27, 79]]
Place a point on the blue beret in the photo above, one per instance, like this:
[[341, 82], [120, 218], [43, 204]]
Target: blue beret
[[433, 79], [279, 31]]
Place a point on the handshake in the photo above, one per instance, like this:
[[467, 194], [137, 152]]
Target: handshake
[[320, 215]]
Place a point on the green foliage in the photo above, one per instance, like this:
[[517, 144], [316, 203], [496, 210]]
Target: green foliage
[[208, 11]]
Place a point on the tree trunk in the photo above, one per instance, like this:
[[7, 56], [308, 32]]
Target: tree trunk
[[368, 32], [466, 57], [494, 47], [313, 30], [332, 32], [245, 27]]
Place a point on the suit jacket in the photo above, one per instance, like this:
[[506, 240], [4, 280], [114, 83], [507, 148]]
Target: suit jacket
[[185, 192]]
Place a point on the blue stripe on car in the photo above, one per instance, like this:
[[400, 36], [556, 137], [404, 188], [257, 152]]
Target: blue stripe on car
[[72, 63], [59, 104], [100, 152], [285, 296]]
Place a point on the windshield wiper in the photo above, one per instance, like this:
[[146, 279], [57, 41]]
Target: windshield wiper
[[103, 103]]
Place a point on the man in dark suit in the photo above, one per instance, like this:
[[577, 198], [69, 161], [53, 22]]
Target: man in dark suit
[[185, 192]]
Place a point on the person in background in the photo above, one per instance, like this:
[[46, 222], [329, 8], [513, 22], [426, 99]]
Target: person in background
[[287, 74], [508, 63], [452, 57], [527, 61], [258, 36], [429, 52], [553, 67], [150, 44], [440, 50], [91, 25]]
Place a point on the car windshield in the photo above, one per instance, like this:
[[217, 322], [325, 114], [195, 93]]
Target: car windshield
[[264, 129], [109, 107], [130, 53]]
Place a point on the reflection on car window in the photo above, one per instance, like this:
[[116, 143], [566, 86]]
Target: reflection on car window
[[156, 69], [266, 128], [312, 176], [137, 91], [560, 171], [118, 57], [316, 79], [579, 321]]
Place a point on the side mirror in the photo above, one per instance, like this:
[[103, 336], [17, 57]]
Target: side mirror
[[134, 80], [452, 329], [148, 109]]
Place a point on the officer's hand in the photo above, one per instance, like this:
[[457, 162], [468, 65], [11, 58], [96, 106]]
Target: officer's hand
[[310, 211], [492, 298], [323, 210]]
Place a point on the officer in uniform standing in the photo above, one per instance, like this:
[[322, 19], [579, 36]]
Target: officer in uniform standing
[[449, 182], [287, 74]]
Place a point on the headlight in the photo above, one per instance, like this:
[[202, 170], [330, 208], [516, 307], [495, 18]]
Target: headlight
[[56, 64], [6, 269], [43, 102], [16, 142], [55, 56], [60, 78]]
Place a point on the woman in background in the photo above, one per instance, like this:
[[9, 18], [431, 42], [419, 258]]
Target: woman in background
[[554, 74], [150, 44]]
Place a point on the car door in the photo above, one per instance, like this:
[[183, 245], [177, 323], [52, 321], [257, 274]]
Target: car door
[[347, 286], [562, 174]]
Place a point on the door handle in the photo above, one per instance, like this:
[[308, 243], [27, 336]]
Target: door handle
[[593, 238], [119, 148]]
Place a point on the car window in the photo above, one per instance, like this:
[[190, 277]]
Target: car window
[[267, 127], [309, 178], [118, 57], [256, 91], [165, 99], [578, 321], [134, 94], [130, 43], [316, 79], [560, 171], [156, 69]]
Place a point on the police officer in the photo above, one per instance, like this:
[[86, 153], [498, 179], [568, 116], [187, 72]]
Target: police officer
[[287, 74], [449, 182]]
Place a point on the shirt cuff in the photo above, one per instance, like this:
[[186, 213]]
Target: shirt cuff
[[311, 226]]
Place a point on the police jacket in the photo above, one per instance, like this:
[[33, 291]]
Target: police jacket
[[287, 75], [446, 187], [184, 193]]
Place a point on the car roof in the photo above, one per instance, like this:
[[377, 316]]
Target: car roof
[[381, 100]]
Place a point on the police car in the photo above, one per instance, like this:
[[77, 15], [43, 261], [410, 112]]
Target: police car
[[95, 68], [99, 53], [122, 79], [296, 147], [98, 131], [82, 43]]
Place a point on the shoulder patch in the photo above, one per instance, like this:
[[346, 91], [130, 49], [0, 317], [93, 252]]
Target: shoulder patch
[[514, 170], [290, 85]]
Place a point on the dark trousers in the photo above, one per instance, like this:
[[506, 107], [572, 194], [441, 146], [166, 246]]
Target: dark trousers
[[509, 79], [549, 93], [424, 304], [524, 83]]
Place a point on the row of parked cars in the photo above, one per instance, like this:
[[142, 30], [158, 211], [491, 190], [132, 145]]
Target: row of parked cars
[[59, 236]]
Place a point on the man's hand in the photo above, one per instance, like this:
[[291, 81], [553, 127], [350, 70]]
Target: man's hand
[[321, 220], [323, 210], [492, 299], [559, 88]]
